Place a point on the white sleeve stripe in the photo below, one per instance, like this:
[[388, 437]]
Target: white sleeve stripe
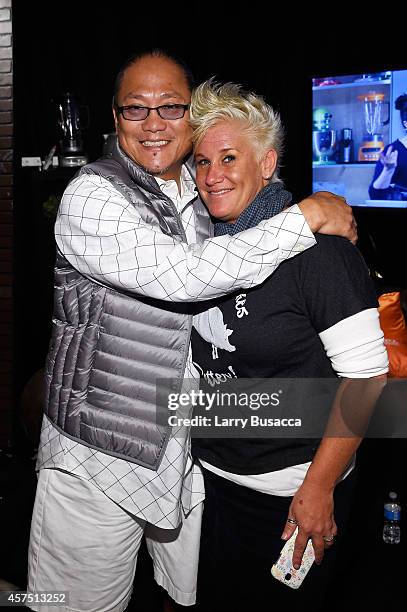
[[356, 347]]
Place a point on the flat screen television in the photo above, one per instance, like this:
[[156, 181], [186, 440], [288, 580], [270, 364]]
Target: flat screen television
[[359, 137]]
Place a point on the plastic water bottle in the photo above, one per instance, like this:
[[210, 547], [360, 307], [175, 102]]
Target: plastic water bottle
[[391, 529]]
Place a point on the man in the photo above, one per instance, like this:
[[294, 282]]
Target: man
[[133, 253]]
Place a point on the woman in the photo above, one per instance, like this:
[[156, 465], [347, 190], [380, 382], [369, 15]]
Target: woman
[[315, 318], [390, 176]]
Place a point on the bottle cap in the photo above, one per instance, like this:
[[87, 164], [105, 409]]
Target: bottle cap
[[393, 495]]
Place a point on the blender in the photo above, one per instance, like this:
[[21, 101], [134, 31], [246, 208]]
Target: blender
[[72, 119], [373, 144]]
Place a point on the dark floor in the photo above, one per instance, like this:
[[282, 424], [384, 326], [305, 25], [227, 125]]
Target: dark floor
[[369, 573]]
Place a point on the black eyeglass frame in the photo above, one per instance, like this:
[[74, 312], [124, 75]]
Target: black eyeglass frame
[[122, 110]]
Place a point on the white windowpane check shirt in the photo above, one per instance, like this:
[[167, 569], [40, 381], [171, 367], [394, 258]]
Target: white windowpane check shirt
[[102, 235]]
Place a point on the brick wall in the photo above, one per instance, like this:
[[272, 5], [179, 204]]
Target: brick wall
[[6, 222]]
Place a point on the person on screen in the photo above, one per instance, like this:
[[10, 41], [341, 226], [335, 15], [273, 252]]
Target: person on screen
[[390, 175]]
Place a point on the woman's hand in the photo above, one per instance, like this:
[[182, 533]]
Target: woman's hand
[[389, 160], [312, 508]]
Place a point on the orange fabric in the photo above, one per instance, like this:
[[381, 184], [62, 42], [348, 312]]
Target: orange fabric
[[394, 327]]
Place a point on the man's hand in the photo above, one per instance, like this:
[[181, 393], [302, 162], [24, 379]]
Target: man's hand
[[328, 213]]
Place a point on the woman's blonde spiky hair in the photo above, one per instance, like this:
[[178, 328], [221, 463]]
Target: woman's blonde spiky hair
[[214, 102]]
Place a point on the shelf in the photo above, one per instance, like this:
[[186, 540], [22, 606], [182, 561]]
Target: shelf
[[355, 165], [383, 204], [352, 85]]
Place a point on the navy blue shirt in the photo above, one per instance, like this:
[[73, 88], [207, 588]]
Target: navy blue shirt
[[275, 332]]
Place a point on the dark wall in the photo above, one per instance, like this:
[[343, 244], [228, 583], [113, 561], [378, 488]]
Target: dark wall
[[6, 222], [79, 47]]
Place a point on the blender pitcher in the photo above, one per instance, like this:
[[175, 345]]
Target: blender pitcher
[[373, 107], [72, 119]]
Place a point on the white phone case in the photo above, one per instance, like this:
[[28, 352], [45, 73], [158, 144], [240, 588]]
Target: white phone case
[[283, 569]]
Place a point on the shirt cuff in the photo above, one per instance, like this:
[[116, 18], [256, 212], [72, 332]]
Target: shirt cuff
[[355, 346], [292, 230]]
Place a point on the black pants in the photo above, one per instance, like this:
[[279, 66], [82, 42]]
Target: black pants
[[241, 539]]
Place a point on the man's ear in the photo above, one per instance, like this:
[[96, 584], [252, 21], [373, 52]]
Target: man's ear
[[115, 117], [269, 164]]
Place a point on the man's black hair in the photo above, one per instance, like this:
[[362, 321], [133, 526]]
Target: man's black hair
[[156, 52]]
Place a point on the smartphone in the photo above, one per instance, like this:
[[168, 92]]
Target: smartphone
[[283, 569]]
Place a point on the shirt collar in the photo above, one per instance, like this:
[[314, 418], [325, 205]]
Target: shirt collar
[[170, 188]]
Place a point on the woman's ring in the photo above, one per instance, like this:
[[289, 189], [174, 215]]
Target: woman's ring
[[292, 521], [328, 538]]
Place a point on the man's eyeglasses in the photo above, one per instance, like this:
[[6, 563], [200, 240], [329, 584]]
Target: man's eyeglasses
[[139, 113]]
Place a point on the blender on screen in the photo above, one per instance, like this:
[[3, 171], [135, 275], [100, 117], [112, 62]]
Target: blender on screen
[[373, 109]]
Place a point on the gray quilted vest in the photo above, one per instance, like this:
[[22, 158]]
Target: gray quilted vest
[[108, 348]]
